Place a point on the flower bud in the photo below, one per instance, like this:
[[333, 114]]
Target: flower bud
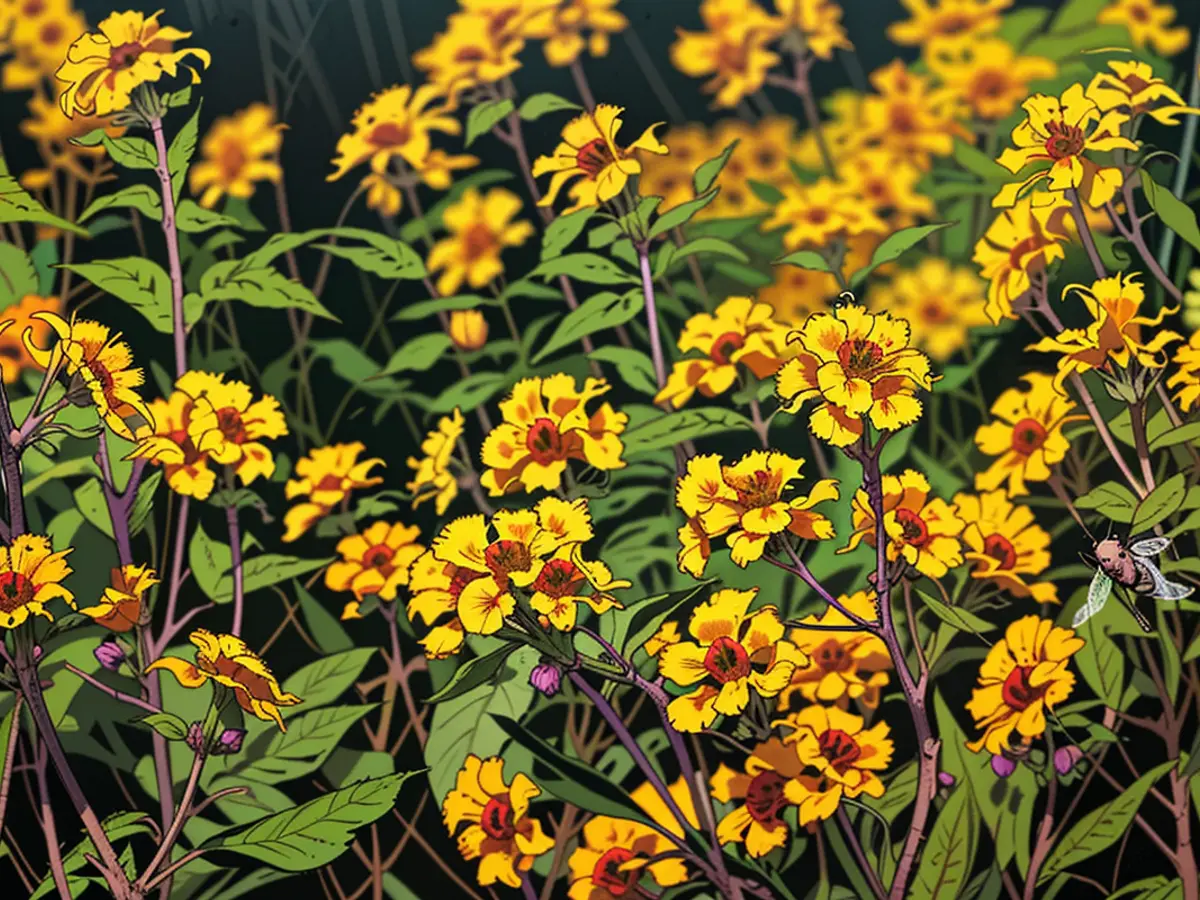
[[1003, 766], [110, 655], [468, 329], [229, 742], [195, 737], [546, 678], [1065, 758], [945, 779], [37, 652]]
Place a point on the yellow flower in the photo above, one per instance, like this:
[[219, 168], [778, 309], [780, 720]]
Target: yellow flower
[[1055, 135], [481, 226], [922, 531], [589, 150], [746, 500], [1005, 543], [20, 317], [563, 28], [54, 134], [545, 425], [1026, 437], [909, 117], [820, 23], [1187, 361], [1024, 675], [101, 70], [1019, 243], [99, 366], [769, 785], [374, 563], [38, 34], [237, 151], [667, 634], [1115, 334], [514, 558], [670, 176], [818, 213], [761, 154], [843, 666], [939, 301], [383, 195], [477, 48], [1133, 88], [500, 833], [733, 49], [986, 73], [468, 329], [227, 660], [887, 184], [120, 606], [946, 18], [228, 425], [738, 331], [857, 365], [841, 132], [31, 575], [431, 473], [845, 754], [796, 293], [171, 445], [734, 650], [1149, 23], [557, 591], [326, 476], [435, 587]]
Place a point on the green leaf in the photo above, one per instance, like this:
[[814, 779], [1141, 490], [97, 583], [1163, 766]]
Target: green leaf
[[18, 276], [262, 571], [682, 213], [143, 501], [192, 218], [352, 365], [563, 230], [707, 172], [117, 827], [324, 627], [483, 117], [635, 367], [979, 163], [1101, 828], [419, 354], [627, 629], [462, 726], [324, 681], [706, 244], [473, 673], [805, 259], [183, 146], [18, 205], [537, 105], [894, 246], [1188, 433], [588, 267], [316, 833], [955, 617], [1112, 500], [1160, 503], [1173, 212], [130, 152], [208, 559], [303, 748], [264, 287], [954, 377], [599, 312], [141, 197], [470, 392], [950, 850], [434, 305], [672, 428], [169, 726], [179, 98], [383, 256], [139, 282]]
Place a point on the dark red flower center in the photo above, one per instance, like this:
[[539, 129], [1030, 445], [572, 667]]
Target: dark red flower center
[[390, 134], [51, 33], [1000, 548], [765, 797], [608, 875], [544, 442], [329, 482], [504, 557], [990, 83], [124, 55], [559, 578], [1064, 140], [1017, 692], [839, 748], [460, 579], [593, 157], [1028, 436], [15, 591], [727, 660], [831, 656], [913, 529], [478, 240], [725, 346], [497, 819], [229, 421], [379, 557], [817, 215], [470, 55], [858, 356]]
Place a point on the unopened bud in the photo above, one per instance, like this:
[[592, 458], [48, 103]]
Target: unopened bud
[[229, 742], [110, 655], [1065, 758], [1003, 766], [195, 737], [546, 678], [945, 779], [468, 329]]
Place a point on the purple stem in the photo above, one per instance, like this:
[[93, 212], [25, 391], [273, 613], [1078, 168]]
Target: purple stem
[[49, 827], [656, 353], [163, 169], [113, 692], [235, 549]]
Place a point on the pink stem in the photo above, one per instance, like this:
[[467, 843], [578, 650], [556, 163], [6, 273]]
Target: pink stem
[[171, 234], [656, 353], [235, 549]]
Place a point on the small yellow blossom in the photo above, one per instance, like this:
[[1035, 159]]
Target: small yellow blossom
[[1020, 244], [1187, 375], [733, 49], [940, 302], [818, 213], [31, 575], [374, 563], [932, 19], [481, 226], [770, 784], [1134, 89], [431, 473], [843, 666], [571, 26], [1026, 435], [236, 152], [468, 329], [819, 22], [1149, 24], [986, 73], [1005, 543], [17, 319], [326, 476]]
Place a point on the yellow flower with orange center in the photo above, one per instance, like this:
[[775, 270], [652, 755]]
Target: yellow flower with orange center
[[1149, 24], [327, 476], [887, 184], [740, 331], [38, 34], [120, 606], [816, 214], [100, 366], [1134, 89], [172, 445], [1005, 543], [55, 135], [500, 832], [1187, 376], [1026, 436], [846, 756], [479, 45], [18, 318], [481, 226], [910, 117], [229, 426], [226, 660], [31, 575], [733, 651], [940, 302], [102, 69], [589, 152], [745, 501], [796, 293], [1115, 334], [374, 563], [1056, 136], [435, 586], [761, 794], [1024, 675], [571, 26], [732, 49], [843, 666], [819, 22], [236, 152], [670, 176], [432, 477], [1018, 245], [931, 19], [986, 73], [921, 530], [546, 424], [860, 367]]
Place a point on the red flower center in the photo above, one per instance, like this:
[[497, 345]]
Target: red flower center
[[229, 421], [497, 819], [817, 216], [764, 797], [608, 875], [125, 55], [990, 83], [1064, 140], [1028, 435], [558, 578], [460, 579], [831, 656], [839, 748], [858, 357], [51, 33], [914, 531], [593, 157], [1017, 692], [390, 134], [470, 54], [758, 490], [478, 240], [953, 23], [1000, 548], [933, 311], [725, 346], [503, 557], [727, 660], [379, 557], [902, 119], [544, 442], [15, 591]]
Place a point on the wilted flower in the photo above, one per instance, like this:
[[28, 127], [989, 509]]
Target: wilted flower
[[1133, 88], [120, 606], [1020, 243]]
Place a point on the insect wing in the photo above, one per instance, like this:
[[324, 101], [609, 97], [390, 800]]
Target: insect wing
[[1098, 592], [1163, 589], [1150, 546]]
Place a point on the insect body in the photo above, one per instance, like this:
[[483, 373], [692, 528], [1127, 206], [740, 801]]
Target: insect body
[[1133, 568]]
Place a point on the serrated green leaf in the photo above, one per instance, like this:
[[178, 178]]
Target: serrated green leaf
[[894, 246], [140, 283], [672, 428], [563, 230], [141, 197], [599, 312]]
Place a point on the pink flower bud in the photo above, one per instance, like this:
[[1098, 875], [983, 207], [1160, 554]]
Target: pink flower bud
[[195, 737], [1065, 758], [945, 779], [229, 742], [546, 678], [110, 655], [1003, 766]]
